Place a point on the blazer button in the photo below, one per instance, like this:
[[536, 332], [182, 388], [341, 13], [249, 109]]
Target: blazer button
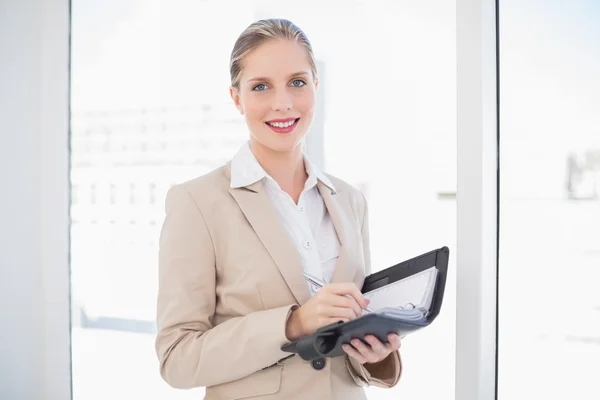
[[318, 364]]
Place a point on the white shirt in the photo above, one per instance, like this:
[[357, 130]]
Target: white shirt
[[308, 223]]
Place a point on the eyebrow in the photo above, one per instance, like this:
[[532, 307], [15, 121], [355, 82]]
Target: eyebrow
[[266, 79]]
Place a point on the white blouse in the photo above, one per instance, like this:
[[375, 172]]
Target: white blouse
[[308, 222]]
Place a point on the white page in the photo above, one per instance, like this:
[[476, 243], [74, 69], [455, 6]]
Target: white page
[[416, 290]]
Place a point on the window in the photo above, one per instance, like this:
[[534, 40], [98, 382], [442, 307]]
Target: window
[[150, 108], [549, 320]]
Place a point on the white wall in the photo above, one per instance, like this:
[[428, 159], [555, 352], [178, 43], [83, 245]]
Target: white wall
[[34, 182]]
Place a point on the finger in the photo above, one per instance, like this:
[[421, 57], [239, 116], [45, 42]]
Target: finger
[[349, 289], [338, 312], [364, 350], [354, 354], [394, 340], [346, 302], [347, 312], [380, 348]]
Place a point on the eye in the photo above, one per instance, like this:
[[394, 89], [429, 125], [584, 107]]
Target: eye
[[260, 87], [298, 83]]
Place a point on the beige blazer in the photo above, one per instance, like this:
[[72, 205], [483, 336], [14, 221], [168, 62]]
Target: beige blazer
[[228, 279]]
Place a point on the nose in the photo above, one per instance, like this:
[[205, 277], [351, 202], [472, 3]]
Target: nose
[[282, 102]]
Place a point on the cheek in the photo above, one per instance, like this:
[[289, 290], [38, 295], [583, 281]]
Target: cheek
[[255, 110], [305, 103]]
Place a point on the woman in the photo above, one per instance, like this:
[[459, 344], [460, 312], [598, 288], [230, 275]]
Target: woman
[[236, 243]]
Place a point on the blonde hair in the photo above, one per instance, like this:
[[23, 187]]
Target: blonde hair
[[258, 33]]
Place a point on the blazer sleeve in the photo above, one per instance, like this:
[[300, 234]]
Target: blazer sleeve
[[192, 351], [387, 372]]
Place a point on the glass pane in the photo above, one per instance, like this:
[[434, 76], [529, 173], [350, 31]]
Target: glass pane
[[151, 108], [549, 321]]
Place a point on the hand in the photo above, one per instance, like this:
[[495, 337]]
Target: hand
[[334, 302], [377, 351]]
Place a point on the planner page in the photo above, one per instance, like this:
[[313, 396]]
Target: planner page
[[413, 292]]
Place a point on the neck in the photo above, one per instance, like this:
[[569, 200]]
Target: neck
[[286, 168]]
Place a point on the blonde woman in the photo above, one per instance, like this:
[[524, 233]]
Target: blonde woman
[[236, 243]]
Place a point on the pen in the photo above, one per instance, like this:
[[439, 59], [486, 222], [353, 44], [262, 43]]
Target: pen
[[320, 284]]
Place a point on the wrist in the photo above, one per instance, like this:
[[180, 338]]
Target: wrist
[[293, 327]]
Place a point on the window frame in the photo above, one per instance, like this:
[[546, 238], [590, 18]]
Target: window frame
[[477, 199]]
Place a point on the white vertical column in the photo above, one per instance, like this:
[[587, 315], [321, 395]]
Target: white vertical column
[[35, 360], [476, 200]]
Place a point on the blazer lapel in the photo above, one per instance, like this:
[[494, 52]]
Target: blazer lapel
[[256, 206], [338, 206]]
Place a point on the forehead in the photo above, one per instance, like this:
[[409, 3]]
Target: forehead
[[276, 59]]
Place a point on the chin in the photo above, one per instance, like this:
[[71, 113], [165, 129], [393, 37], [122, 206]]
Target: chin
[[284, 146], [279, 142]]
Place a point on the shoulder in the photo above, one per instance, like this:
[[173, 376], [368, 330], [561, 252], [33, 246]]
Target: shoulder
[[214, 181], [204, 190]]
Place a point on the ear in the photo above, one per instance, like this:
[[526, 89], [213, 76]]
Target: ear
[[235, 96], [316, 84]]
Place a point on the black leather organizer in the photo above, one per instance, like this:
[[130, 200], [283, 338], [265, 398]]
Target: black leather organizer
[[328, 340]]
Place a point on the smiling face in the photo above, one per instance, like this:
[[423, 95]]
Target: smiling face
[[276, 94]]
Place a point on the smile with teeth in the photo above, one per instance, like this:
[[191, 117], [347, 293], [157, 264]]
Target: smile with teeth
[[283, 124]]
